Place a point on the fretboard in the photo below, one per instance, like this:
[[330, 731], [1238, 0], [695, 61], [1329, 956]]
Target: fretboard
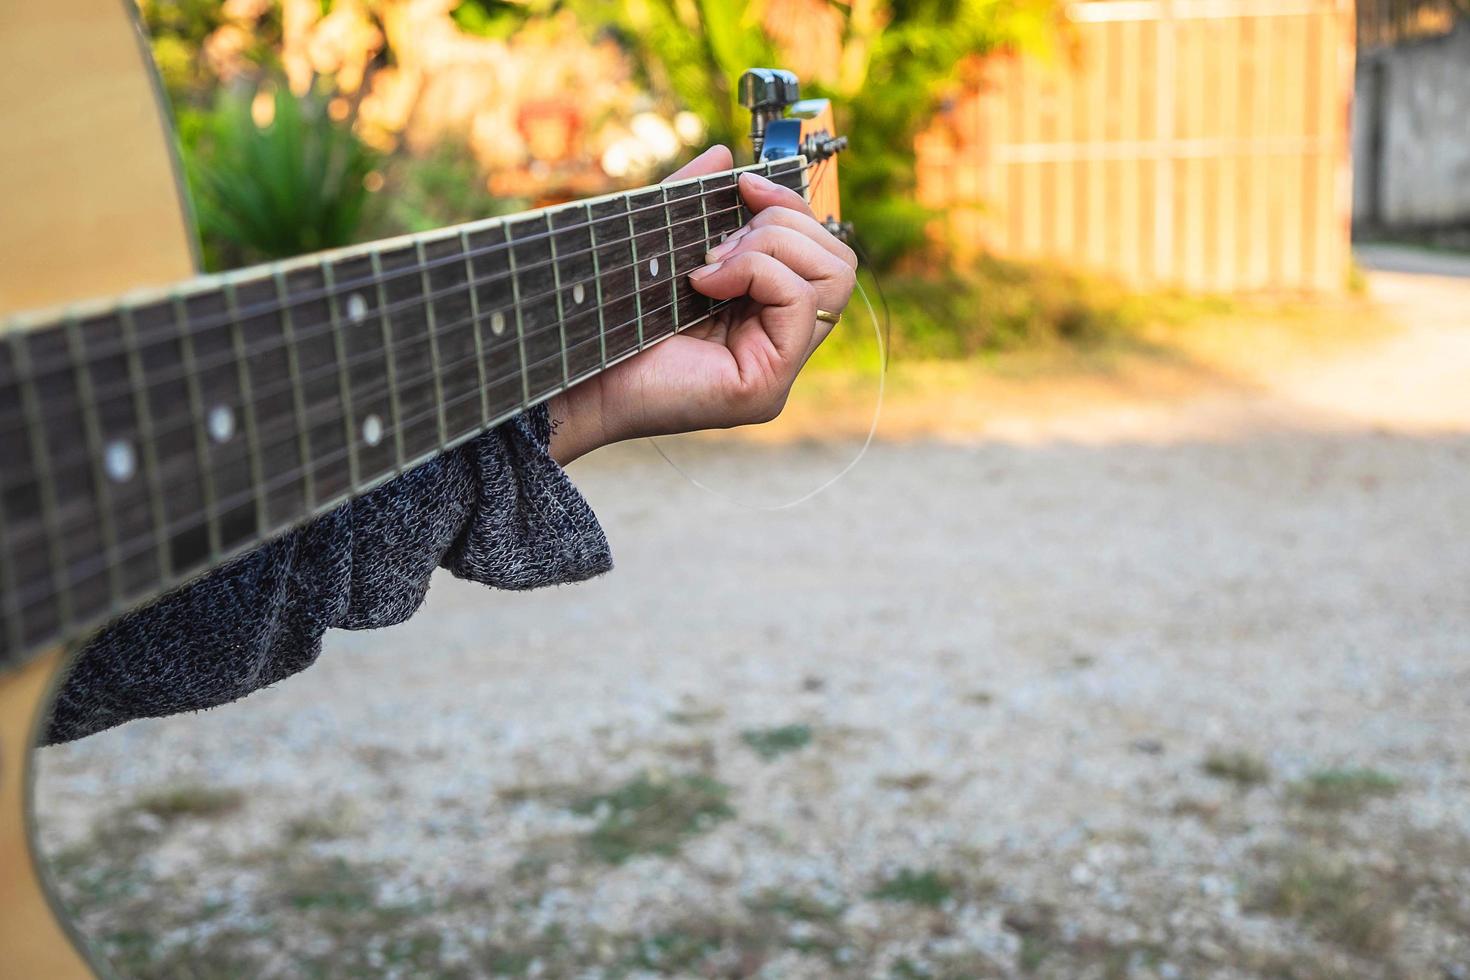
[[145, 441]]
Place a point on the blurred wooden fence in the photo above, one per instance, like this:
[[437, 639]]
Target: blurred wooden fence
[[1199, 143]]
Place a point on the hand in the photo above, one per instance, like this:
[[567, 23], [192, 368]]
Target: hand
[[738, 367]]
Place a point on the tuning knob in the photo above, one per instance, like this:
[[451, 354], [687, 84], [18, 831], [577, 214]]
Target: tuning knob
[[766, 92]]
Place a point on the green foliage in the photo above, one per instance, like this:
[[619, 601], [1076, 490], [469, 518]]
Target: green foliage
[[1239, 767], [769, 743], [653, 815], [994, 305], [268, 192], [898, 57], [915, 887], [443, 187], [177, 30], [1344, 789]]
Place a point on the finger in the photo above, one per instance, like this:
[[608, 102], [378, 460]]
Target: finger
[[790, 314], [808, 226], [712, 161], [760, 193], [833, 279]]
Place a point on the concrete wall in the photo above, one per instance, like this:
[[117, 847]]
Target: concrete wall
[[1411, 135]]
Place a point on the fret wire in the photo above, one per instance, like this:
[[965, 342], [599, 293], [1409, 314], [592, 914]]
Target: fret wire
[[247, 399], [391, 362], [298, 396], [91, 424], [196, 408], [146, 439], [597, 285], [433, 344], [132, 548], [561, 316], [45, 479], [312, 295], [284, 385], [477, 325], [315, 330], [668, 228], [515, 294], [637, 278], [339, 345]]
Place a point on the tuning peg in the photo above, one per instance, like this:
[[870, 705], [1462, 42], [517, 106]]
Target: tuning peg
[[766, 92]]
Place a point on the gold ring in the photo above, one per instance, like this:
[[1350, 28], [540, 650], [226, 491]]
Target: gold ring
[[827, 316]]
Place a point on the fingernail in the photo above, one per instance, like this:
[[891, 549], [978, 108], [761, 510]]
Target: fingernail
[[705, 270], [724, 247], [758, 180]]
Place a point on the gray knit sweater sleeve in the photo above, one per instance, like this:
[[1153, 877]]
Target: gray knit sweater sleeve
[[497, 510]]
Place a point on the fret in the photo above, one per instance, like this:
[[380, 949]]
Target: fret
[[571, 242], [212, 358], [534, 285], [435, 364], [477, 325], [651, 262], [723, 209], [196, 426], [148, 449], [280, 451], [317, 384], [596, 285], [92, 425], [506, 387], [617, 277], [245, 387], [42, 605], [344, 389], [366, 361], [453, 324], [673, 271], [414, 378], [299, 432], [561, 315], [688, 241], [170, 404]]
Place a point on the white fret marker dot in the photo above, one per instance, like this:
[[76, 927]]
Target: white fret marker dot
[[578, 293], [497, 323], [119, 460], [356, 307], [221, 423], [653, 267], [372, 430]]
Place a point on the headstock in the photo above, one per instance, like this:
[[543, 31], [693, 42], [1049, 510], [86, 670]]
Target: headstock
[[782, 125]]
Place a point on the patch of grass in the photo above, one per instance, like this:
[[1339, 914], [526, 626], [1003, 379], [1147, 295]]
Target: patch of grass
[[653, 814], [771, 743], [1337, 901], [696, 716], [1344, 789], [189, 800], [1244, 769], [927, 887], [795, 906], [910, 783], [980, 698]]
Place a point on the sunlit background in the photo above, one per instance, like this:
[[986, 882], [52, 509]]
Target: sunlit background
[[1137, 646]]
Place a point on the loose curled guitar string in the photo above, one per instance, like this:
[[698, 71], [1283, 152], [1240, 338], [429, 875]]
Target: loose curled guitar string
[[882, 334]]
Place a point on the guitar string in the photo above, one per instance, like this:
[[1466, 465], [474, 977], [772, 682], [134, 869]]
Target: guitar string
[[278, 305], [226, 358], [94, 563], [130, 549], [381, 354], [326, 328]]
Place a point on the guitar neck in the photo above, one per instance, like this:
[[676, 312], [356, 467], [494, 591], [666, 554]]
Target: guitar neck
[[146, 441]]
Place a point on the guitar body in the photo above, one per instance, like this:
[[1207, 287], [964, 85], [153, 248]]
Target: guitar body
[[93, 208]]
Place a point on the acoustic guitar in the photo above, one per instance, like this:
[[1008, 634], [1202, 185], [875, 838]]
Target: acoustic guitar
[[155, 423]]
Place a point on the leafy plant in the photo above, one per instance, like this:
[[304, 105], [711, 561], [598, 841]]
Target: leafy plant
[[290, 186]]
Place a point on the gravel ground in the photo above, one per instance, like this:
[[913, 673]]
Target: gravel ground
[[1170, 690]]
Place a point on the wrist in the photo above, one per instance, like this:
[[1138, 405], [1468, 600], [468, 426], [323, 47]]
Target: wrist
[[577, 425]]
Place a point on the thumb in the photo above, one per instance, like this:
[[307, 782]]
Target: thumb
[[711, 161]]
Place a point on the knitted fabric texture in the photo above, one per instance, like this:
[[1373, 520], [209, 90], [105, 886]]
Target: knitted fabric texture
[[497, 510]]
